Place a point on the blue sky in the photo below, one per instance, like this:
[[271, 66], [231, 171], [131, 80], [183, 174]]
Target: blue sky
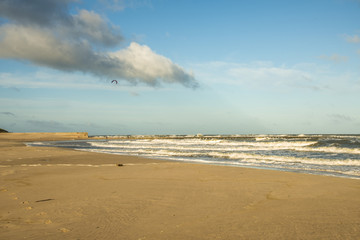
[[183, 67]]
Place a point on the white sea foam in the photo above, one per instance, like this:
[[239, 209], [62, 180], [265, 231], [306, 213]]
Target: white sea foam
[[239, 156], [35, 144], [331, 150], [220, 145], [328, 154], [67, 165], [206, 143]]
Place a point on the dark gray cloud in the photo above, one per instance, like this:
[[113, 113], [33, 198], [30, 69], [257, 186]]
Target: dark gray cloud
[[41, 12], [53, 15], [78, 42], [7, 113]]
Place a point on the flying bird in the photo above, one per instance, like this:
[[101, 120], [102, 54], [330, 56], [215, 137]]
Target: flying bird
[[114, 82]]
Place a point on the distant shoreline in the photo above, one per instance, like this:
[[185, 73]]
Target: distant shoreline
[[53, 136], [44, 136]]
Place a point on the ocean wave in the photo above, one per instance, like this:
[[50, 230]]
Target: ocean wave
[[330, 154], [330, 150], [301, 146], [248, 157], [203, 143]]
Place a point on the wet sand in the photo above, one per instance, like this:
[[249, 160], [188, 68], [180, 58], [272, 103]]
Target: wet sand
[[53, 193]]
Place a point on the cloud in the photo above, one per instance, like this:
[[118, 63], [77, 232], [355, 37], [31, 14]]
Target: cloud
[[35, 12], [334, 58], [340, 117], [140, 62], [92, 27], [266, 74], [120, 5], [77, 43], [273, 74], [281, 78], [51, 79], [7, 113], [352, 39], [51, 126]]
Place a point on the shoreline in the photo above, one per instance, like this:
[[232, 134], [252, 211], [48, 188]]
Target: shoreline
[[69, 194], [217, 157]]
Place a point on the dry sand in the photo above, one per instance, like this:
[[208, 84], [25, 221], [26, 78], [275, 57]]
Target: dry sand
[[51, 193]]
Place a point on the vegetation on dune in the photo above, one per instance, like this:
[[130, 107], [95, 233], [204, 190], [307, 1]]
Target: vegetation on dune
[[3, 130]]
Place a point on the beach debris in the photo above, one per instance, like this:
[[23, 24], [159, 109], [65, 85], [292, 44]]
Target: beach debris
[[45, 200], [48, 221], [64, 230], [114, 81], [119, 164]]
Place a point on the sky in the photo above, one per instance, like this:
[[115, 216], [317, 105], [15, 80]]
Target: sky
[[182, 67]]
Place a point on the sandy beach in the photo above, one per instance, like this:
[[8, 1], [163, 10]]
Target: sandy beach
[[53, 193]]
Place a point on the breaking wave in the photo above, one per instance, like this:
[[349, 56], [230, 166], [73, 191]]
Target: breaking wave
[[335, 155]]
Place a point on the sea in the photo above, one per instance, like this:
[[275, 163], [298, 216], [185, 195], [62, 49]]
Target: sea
[[332, 155]]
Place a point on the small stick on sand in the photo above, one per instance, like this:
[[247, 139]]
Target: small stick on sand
[[45, 200]]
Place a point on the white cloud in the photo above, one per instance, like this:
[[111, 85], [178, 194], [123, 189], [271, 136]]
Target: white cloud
[[254, 74], [352, 39], [334, 58], [120, 5], [140, 62], [274, 75], [52, 79], [268, 76]]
